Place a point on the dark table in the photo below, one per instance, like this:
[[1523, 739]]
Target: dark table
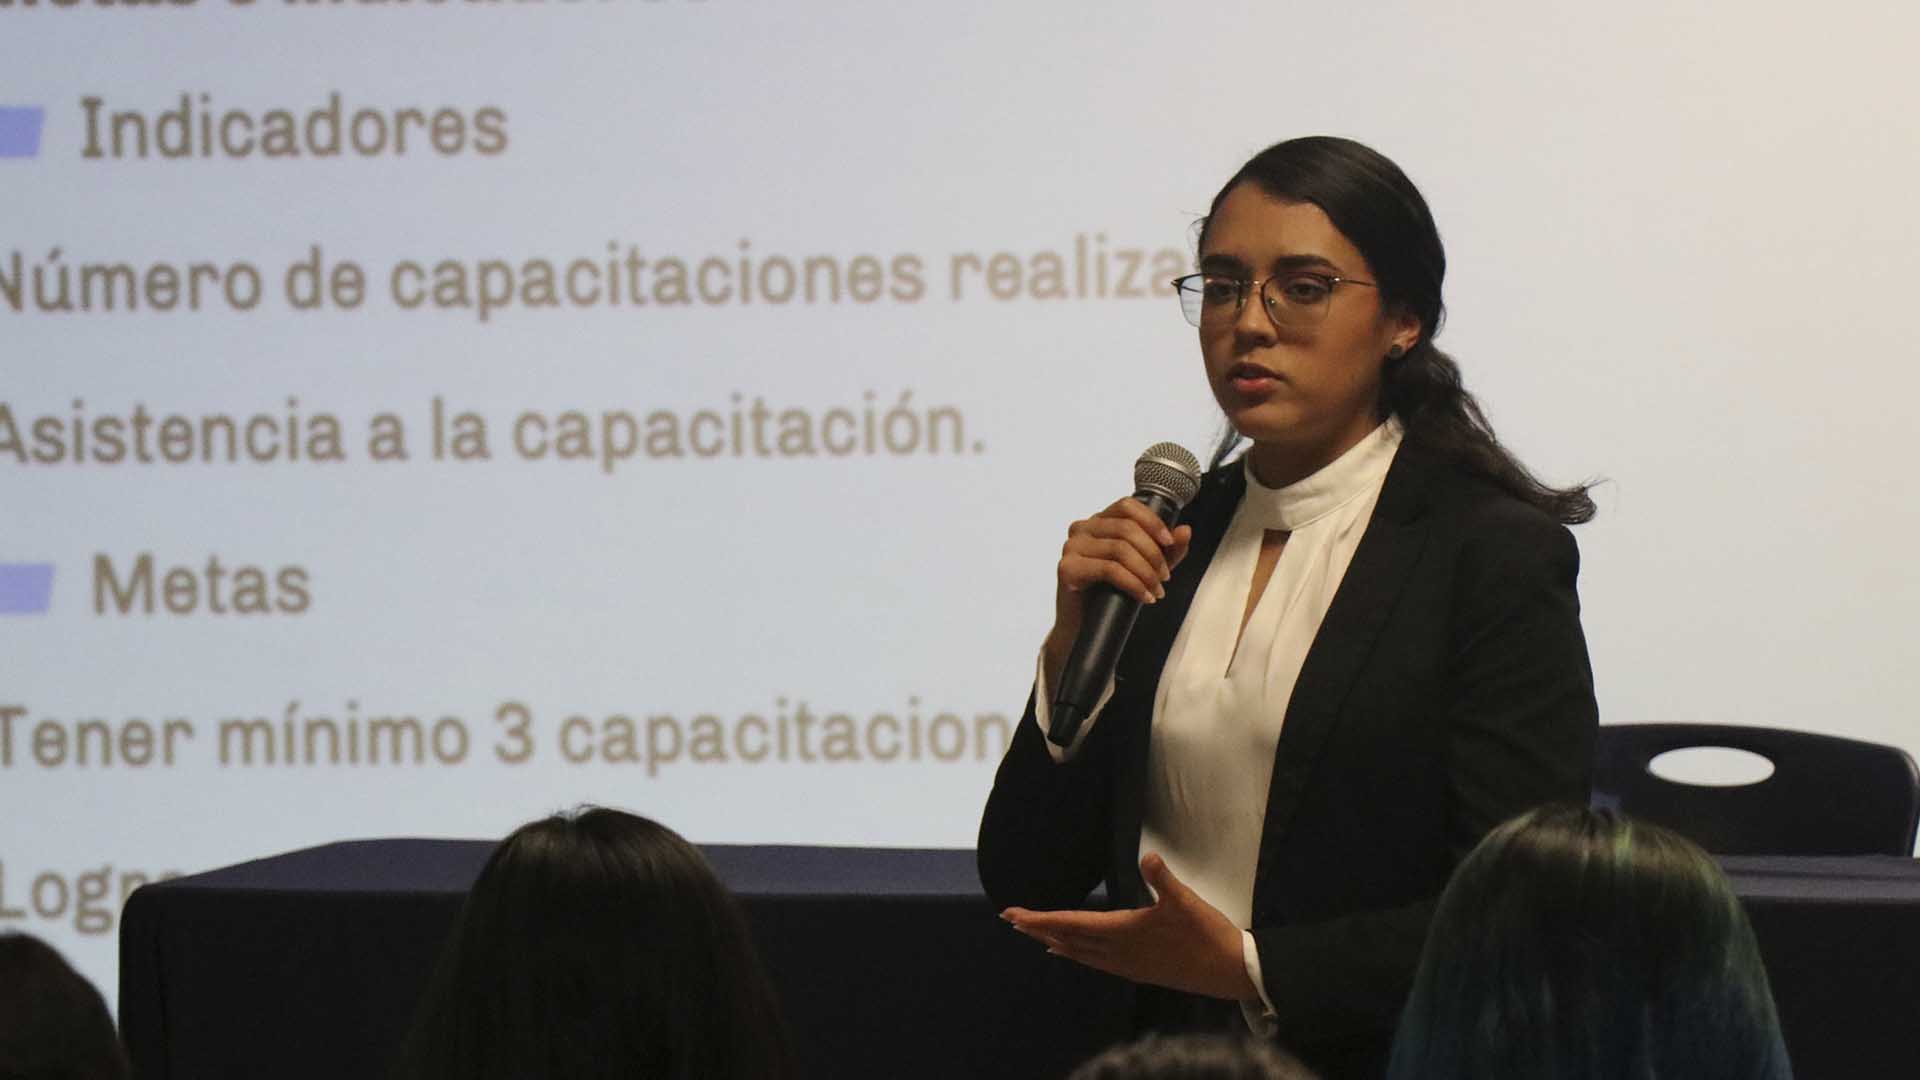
[[310, 964], [1841, 939], [888, 962]]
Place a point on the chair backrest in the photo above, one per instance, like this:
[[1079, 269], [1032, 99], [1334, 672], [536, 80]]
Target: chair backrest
[[1827, 795]]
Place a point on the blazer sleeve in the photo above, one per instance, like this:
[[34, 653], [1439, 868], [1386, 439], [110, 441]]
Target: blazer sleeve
[[1518, 714], [1045, 832]]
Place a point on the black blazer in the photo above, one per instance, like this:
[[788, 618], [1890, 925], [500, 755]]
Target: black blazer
[[1447, 690]]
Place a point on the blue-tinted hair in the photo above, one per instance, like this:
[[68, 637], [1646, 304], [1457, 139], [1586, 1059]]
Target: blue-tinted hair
[[1579, 944]]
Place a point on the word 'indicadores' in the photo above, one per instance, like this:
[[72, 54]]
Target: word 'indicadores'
[[195, 128]]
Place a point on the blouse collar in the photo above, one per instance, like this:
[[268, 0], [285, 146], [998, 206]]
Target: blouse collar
[[1360, 470]]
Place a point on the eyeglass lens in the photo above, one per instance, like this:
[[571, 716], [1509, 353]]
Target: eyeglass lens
[[1291, 299]]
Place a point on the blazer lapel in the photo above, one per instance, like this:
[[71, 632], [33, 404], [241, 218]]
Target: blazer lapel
[[1386, 554]]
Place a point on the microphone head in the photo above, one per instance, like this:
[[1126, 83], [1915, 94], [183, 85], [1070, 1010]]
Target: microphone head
[[1170, 469]]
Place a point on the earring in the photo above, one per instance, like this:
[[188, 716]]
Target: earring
[[1395, 352]]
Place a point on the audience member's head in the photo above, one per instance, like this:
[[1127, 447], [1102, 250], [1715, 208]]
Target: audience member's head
[[53, 1024], [1578, 944], [1193, 1057], [595, 945]]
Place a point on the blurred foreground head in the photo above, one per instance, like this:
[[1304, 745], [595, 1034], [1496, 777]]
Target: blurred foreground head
[[53, 1024], [1579, 944], [1193, 1057], [595, 945]]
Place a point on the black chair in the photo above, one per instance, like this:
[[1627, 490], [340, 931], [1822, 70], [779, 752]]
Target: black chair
[[1827, 795]]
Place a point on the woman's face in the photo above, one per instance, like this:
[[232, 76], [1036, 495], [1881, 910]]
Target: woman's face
[[1310, 392]]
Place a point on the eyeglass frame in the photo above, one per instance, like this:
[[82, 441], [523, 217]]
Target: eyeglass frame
[[1248, 286]]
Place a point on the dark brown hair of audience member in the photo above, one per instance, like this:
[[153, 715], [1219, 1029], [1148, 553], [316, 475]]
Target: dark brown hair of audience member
[[53, 1024], [597, 945], [1579, 944], [1193, 1057]]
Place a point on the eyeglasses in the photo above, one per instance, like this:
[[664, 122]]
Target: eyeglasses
[[1295, 298]]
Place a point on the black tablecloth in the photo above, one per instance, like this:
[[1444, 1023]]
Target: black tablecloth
[[1841, 938], [888, 962], [309, 964]]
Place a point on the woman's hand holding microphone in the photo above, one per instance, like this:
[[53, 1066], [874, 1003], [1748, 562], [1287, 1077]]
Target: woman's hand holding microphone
[[1125, 546]]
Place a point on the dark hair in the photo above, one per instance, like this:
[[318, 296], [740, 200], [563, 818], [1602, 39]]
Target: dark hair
[[597, 945], [1379, 210], [1578, 944], [1193, 1057], [53, 1024]]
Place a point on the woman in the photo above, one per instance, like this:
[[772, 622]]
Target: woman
[[1360, 652], [1576, 944], [597, 945]]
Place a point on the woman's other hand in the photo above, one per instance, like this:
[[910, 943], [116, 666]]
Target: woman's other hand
[[1181, 941]]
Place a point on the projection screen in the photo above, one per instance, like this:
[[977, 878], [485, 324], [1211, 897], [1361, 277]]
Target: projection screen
[[419, 416]]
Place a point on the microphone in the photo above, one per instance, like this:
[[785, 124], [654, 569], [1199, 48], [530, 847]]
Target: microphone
[[1165, 479]]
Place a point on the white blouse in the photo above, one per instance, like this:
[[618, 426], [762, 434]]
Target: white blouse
[[1218, 710]]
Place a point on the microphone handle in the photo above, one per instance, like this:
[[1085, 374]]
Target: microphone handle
[[1105, 622]]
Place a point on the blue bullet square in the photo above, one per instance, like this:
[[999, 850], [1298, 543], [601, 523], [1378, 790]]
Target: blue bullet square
[[26, 588], [20, 130]]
